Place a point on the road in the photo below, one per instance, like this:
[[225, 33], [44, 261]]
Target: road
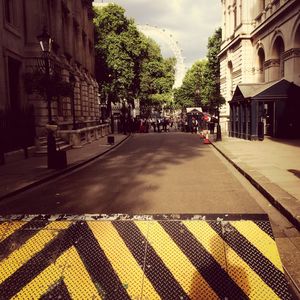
[[155, 173], [151, 173]]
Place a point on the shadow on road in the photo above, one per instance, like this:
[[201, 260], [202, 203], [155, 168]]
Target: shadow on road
[[150, 173]]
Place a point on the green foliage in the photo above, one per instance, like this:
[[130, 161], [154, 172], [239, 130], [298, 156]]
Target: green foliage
[[201, 84], [128, 64], [215, 100], [190, 93]]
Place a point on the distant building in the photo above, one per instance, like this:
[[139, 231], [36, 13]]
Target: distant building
[[98, 4], [260, 47], [70, 24]]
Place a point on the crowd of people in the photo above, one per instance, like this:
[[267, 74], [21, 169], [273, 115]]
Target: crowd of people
[[164, 124], [143, 125]]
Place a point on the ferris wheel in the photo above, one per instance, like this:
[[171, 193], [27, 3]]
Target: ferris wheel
[[167, 36]]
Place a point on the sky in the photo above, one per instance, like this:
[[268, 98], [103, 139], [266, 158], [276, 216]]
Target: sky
[[184, 24]]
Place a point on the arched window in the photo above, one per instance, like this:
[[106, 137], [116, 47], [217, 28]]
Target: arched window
[[261, 62], [234, 15], [278, 50]]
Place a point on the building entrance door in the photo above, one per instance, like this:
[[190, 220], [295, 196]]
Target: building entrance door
[[14, 83], [269, 118]]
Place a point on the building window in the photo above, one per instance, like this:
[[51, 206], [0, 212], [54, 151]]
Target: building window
[[278, 52], [234, 15], [14, 67], [281, 65], [261, 67], [8, 11], [276, 4], [230, 78]]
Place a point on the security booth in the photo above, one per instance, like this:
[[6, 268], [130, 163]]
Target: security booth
[[270, 109], [195, 113]]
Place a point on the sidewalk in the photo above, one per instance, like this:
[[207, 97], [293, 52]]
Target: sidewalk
[[21, 174], [272, 166]]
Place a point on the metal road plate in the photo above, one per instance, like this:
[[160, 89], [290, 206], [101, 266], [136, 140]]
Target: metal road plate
[[140, 257]]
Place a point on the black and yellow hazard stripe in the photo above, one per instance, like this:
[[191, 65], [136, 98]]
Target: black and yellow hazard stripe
[[250, 252], [129, 258], [155, 270]]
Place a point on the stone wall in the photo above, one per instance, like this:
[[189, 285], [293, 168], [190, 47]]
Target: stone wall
[[69, 22], [268, 30]]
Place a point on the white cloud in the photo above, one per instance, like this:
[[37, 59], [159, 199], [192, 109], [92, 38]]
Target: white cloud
[[190, 22]]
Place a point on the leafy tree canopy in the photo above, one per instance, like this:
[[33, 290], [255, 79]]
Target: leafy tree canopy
[[128, 64], [214, 98], [189, 94], [201, 84]]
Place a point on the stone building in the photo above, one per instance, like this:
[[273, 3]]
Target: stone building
[[70, 25], [260, 47]]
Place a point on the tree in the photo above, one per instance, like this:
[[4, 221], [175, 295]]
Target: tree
[[128, 64], [157, 77], [116, 52], [212, 78], [190, 93]]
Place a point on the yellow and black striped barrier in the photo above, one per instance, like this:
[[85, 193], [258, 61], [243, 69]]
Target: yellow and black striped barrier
[[140, 257]]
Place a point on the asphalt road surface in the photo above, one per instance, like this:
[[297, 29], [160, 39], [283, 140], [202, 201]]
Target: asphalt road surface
[[149, 173], [158, 173]]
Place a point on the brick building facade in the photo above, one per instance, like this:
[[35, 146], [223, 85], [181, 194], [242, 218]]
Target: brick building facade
[[70, 24]]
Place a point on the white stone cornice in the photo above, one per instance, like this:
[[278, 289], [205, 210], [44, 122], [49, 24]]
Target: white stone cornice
[[291, 53], [233, 43], [271, 63]]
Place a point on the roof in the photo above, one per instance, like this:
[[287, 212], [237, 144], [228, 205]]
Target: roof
[[279, 90], [271, 90], [193, 110]]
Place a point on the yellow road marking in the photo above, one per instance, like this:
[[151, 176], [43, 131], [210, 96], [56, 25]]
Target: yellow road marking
[[209, 239], [246, 278], [34, 245], [69, 268], [178, 264], [261, 240], [8, 228], [122, 261], [238, 270]]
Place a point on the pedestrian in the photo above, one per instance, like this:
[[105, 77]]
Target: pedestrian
[[146, 126], [194, 127], [158, 124], [153, 124], [165, 124], [186, 126]]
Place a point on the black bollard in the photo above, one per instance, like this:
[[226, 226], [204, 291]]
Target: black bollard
[[219, 135]]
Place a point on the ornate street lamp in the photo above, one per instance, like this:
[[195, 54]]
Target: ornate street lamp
[[124, 114], [45, 41]]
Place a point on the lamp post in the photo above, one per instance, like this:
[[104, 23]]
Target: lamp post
[[46, 43], [123, 115], [219, 134]]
